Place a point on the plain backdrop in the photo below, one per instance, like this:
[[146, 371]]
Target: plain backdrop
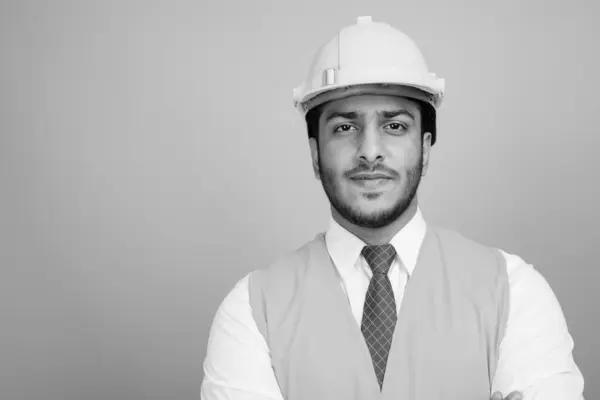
[[150, 157]]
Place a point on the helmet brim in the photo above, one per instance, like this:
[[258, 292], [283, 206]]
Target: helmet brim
[[337, 93]]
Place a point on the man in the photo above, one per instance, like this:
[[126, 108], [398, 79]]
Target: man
[[385, 305]]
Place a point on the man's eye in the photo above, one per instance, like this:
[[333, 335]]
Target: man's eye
[[395, 126], [343, 128]]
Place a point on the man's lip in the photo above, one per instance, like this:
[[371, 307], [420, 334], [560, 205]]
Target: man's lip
[[370, 176]]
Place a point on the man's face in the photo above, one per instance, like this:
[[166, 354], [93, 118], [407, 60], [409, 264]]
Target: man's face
[[370, 157]]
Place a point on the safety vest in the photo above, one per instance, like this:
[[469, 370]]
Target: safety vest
[[450, 324]]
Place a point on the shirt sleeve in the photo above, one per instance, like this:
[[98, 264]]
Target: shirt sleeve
[[237, 364], [535, 355]]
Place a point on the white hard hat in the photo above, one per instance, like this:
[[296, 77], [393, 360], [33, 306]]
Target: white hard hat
[[369, 57]]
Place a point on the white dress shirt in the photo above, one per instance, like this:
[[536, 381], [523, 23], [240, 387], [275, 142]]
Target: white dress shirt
[[535, 355]]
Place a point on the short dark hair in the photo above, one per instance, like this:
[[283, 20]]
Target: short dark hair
[[428, 122]]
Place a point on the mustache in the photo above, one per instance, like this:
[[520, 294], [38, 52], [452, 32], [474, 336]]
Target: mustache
[[364, 168]]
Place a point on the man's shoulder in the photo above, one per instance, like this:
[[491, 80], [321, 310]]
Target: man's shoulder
[[454, 237], [291, 263], [300, 254], [468, 252]]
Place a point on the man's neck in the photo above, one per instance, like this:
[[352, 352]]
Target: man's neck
[[377, 236]]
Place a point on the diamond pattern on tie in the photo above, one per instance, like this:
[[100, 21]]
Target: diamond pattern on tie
[[379, 315]]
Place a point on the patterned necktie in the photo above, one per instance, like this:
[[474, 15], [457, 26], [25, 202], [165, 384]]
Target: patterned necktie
[[379, 315]]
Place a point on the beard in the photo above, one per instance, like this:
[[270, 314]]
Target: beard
[[377, 219]]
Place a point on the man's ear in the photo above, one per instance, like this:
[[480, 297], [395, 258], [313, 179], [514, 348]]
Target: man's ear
[[314, 153], [426, 152]]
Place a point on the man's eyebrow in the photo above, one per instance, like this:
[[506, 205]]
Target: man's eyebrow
[[352, 115], [345, 115], [396, 113]]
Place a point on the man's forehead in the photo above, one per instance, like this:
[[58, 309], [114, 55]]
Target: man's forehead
[[366, 104]]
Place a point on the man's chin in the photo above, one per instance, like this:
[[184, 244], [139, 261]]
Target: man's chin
[[371, 217], [372, 206], [373, 223]]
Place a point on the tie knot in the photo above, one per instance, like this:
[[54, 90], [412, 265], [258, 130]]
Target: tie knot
[[379, 257]]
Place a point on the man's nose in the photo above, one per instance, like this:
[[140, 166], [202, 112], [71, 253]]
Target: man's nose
[[369, 144]]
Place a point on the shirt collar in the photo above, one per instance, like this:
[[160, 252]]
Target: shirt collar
[[345, 248]]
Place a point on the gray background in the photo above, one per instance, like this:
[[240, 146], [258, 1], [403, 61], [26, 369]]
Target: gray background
[[151, 157]]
